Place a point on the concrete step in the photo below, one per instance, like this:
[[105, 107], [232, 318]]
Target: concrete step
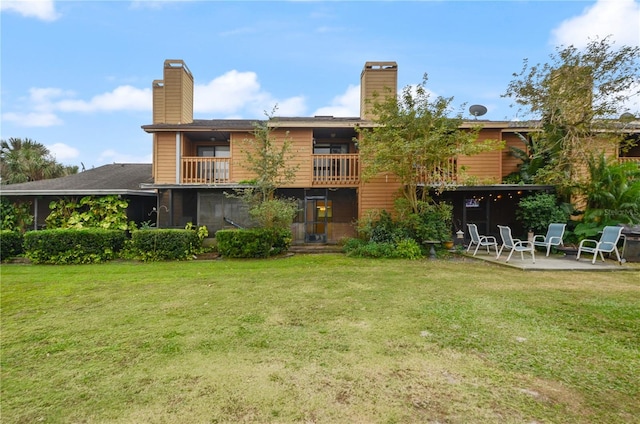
[[315, 248]]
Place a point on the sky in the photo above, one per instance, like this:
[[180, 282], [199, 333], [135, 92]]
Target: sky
[[76, 76]]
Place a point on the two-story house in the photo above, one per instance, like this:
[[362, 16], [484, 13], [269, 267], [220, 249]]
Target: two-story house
[[197, 161]]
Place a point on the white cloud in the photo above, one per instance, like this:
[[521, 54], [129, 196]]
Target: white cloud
[[154, 4], [124, 97], [63, 152], [40, 9], [294, 106], [344, 105], [45, 102], [618, 18], [112, 156], [227, 93], [33, 119], [239, 93]]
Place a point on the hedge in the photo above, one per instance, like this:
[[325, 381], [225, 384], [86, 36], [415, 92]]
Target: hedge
[[10, 244], [253, 243], [164, 244], [73, 246]]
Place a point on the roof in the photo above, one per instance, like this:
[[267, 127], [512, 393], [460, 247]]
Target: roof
[[249, 124], [117, 178]]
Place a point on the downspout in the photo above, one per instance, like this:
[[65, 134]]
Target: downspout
[[178, 157], [35, 213]]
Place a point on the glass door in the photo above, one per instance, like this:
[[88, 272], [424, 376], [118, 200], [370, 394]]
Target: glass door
[[317, 213]]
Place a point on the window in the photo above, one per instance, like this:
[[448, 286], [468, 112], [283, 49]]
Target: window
[[214, 171], [214, 151]]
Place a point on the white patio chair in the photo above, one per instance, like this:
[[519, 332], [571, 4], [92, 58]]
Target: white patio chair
[[479, 240], [607, 244], [515, 245], [554, 235]]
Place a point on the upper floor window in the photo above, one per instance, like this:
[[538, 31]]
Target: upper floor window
[[214, 151], [330, 149]]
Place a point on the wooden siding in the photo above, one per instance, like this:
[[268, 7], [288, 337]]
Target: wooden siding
[[158, 101], [239, 171], [178, 93], [509, 162], [165, 157], [301, 148], [378, 193], [377, 77], [483, 168]]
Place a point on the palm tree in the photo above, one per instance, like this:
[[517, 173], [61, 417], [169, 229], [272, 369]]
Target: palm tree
[[23, 160]]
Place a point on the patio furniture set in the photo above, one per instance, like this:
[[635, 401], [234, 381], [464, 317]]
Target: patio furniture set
[[553, 238]]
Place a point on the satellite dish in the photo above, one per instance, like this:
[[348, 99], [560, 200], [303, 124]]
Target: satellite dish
[[477, 110], [627, 117]]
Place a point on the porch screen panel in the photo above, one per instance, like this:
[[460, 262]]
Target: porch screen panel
[[214, 207]]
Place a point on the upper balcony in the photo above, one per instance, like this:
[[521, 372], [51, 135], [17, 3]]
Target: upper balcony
[[205, 170], [327, 170], [335, 169]]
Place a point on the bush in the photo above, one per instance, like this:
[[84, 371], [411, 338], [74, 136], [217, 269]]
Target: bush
[[253, 243], [406, 249], [164, 244], [73, 246], [538, 211], [15, 216], [10, 244]]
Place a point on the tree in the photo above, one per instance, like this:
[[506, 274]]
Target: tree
[[411, 136], [23, 160], [613, 192], [270, 161], [577, 98]]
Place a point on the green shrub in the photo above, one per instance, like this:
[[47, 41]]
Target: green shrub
[[351, 244], [15, 216], [164, 244], [253, 243], [373, 250], [536, 212], [109, 212], [433, 222], [73, 246], [10, 244], [408, 249]]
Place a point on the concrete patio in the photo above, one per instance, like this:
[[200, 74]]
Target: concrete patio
[[554, 262]]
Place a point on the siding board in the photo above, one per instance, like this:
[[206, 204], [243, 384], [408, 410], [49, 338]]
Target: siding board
[[166, 158]]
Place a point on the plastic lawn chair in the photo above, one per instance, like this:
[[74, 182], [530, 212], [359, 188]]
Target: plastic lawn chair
[[607, 244], [515, 245], [554, 235], [478, 240]]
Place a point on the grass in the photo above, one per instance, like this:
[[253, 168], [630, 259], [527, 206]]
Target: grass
[[318, 339]]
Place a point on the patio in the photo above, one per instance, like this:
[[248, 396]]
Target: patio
[[554, 262]]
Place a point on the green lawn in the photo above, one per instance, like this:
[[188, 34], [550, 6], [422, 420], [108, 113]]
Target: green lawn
[[318, 339]]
